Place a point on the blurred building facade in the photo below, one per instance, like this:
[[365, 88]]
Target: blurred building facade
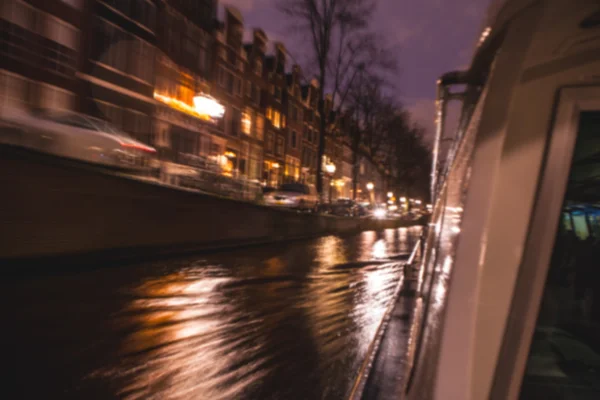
[[141, 63]]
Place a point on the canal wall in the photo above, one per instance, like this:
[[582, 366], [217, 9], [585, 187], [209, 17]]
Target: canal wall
[[56, 207]]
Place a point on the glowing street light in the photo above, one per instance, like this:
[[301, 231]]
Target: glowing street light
[[390, 194], [403, 199], [370, 186], [330, 168], [418, 202]]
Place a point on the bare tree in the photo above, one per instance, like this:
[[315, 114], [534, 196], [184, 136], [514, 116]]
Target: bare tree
[[341, 46]]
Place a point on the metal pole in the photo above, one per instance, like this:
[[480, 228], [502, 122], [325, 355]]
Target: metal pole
[[439, 120]]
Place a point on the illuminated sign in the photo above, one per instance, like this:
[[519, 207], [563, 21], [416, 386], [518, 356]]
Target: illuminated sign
[[205, 107]]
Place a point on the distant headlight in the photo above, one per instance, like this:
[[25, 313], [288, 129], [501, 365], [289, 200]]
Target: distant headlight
[[379, 213]]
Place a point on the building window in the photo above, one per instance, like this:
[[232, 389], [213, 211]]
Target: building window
[[276, 121], [260, 126], [278, 93], [279, 149], [249, 88], [256, 94], [236, 117], [230, 82], [238, 85], [247, 121], [294, 113], [269, 141], [269, 113], [283, 121], [258, 67], [294, 139]]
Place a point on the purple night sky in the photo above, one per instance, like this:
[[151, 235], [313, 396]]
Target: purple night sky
[[430, 37]]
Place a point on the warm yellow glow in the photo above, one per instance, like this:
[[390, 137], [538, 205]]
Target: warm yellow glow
[[339, 183], [275, 165], [276, 119], [418, 202], [330, 168], [230, 154], [393, 208], [181, 106], [403, 199], [370, 186], [206, 105], [246, 123], [390, 194]]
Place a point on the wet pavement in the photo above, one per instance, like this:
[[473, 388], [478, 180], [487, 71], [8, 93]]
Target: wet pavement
[[288, 321]]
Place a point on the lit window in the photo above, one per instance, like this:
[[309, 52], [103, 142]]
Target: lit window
[[283, 121], [276, 119], [269, 113], [246, 122]]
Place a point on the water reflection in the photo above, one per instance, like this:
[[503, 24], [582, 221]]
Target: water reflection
[[291, 321]]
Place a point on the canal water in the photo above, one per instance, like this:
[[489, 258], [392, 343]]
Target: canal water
[[287, 321]]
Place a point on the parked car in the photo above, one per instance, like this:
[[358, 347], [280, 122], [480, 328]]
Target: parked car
[[75, 136], [294, 195], [345, 208]]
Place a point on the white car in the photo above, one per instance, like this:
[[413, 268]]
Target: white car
[[294, 195], [74, 136]]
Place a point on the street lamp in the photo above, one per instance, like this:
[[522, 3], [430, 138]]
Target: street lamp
[[330, 169], [390, 194], [370, 187]]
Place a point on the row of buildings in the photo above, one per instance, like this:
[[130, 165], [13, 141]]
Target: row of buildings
[[141, 64]]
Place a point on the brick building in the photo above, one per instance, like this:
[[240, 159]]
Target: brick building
[[292, 102], [275, 114], [141, 64], [183, 69], [40, 53], [254, 110]]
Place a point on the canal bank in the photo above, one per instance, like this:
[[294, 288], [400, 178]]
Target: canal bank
[[59, 208]]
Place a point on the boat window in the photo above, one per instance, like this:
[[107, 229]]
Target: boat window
[[564, 358]]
